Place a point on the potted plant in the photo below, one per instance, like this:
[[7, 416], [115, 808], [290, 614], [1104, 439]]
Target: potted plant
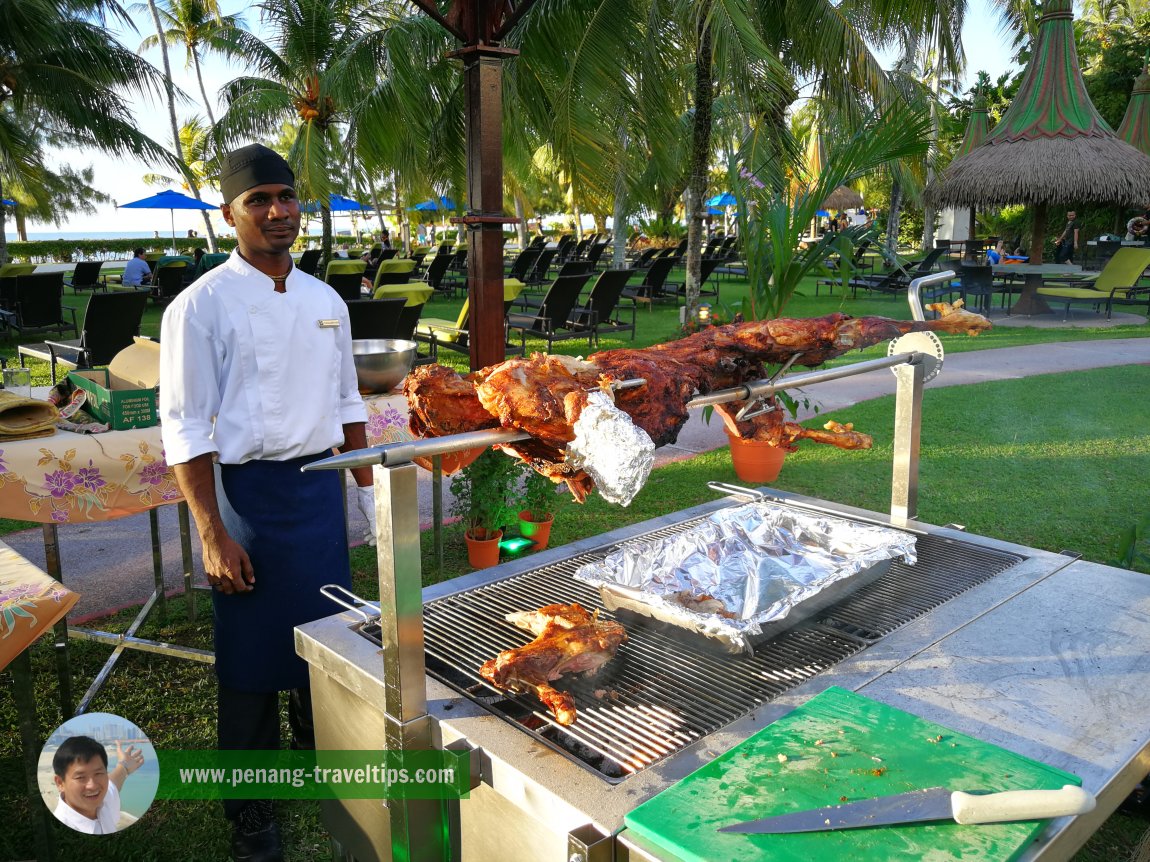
[[775, 211], [537, 514], [484, 492]]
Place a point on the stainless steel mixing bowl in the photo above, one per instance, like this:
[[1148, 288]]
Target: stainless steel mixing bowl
[[381, 363]]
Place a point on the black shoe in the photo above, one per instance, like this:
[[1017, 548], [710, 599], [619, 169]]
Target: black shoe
[[262, 845]]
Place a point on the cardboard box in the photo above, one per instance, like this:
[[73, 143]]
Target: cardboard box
[[124, 394]]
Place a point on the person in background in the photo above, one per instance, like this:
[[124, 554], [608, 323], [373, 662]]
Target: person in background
[[198, 254], [994, 255], [1137, 229], [89, 793], [421, 235], [137, 271], [385, 239], [1067, 242], [257, 380]]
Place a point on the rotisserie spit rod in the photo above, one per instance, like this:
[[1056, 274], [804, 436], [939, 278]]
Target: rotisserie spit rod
[[391, 454]]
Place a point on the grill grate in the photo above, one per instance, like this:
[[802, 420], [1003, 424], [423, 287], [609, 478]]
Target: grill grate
[[661, 693]]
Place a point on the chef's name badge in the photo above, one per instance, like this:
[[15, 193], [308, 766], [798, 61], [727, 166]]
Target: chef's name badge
[[328, 324]]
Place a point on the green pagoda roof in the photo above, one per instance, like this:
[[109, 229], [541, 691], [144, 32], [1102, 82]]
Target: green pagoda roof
[[1051, 146], [977, 128], [1135, 128]]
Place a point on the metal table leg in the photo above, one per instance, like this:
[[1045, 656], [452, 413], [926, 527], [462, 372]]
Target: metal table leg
[[186, 554], [30, 742], [127, 640], [60, 642], [158, 563]]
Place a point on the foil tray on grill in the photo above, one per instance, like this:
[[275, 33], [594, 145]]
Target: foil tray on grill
[[745, 574]]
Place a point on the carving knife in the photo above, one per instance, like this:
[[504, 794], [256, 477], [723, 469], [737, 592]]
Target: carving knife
[[937, 803]]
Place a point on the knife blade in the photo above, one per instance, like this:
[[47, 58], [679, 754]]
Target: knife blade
[[936, 803]]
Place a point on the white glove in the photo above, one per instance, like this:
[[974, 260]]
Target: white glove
[[365, 496]]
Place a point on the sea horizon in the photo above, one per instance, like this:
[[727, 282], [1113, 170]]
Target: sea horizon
[[48, 235]]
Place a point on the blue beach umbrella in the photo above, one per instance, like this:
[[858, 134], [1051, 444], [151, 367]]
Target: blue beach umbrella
[[7, 202], [444, 203], [822, 213], [714, 211], [336, 204], [171, 201], [726, 199]]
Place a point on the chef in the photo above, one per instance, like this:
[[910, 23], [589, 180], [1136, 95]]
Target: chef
[[256, 380]]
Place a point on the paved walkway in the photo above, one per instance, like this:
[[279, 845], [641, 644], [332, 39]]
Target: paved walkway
[[110, 562]]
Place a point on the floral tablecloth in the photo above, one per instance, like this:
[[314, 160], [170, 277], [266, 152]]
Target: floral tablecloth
[[69, 478], [30, 603]]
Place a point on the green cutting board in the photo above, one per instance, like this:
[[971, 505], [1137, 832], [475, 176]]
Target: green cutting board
[[840, 747]]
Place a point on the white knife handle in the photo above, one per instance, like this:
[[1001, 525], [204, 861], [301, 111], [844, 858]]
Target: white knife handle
[[1020, 805]]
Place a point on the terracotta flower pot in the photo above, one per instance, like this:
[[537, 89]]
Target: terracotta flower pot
[[537, 531], [483, 553], [755, 461]]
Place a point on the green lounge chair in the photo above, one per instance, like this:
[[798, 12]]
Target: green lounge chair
[[1116, 283]]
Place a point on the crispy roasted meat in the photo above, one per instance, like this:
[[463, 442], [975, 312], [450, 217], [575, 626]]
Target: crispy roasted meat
[[544, 395], [568, 640]]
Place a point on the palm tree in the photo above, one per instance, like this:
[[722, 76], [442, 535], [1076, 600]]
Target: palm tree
[[315, 71], [195, 144], [55, 195], [201, 28], [170, 90], [744, 56], [63, 75]]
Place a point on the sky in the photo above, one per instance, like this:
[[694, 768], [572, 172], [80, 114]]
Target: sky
[[987, 48]]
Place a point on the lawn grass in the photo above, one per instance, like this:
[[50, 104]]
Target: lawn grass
[[1049, 462], [995, 457]]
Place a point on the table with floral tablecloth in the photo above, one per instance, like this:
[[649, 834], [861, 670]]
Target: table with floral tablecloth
[[69, 478]]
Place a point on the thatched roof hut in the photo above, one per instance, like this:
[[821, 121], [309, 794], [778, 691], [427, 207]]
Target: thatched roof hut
[[843, 198], [1051, 146], [1135, 128]]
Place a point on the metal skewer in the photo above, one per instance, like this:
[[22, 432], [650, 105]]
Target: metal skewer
[[392, 454]]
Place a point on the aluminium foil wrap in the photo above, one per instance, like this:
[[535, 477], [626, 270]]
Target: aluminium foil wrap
[[760, 560]]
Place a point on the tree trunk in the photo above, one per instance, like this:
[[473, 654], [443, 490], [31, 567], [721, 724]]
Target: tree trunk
[[578, 221], [619, 215], [3, 236], [375, 206], [203, 89], [894, 216], [325, 241], [521, 226], [619, 220], [929, 213], [177, 147], [21, 224], [700, 162], [1038, 233]]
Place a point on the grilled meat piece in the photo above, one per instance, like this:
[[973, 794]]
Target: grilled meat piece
[[568, 640], [544, 395]]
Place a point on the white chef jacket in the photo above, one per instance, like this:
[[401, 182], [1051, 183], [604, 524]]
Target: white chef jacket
[[107, 815], [251, 374]]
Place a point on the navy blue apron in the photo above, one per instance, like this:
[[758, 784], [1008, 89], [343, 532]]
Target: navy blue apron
[[292, 526]]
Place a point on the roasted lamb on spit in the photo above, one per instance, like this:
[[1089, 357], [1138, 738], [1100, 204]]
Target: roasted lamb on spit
[[544, 395], [568, 640]]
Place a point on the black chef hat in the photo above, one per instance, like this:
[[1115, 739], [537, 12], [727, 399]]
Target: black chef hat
[[250, 166]]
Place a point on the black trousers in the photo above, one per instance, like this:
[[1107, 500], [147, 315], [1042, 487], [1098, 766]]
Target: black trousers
[[250, 720]]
